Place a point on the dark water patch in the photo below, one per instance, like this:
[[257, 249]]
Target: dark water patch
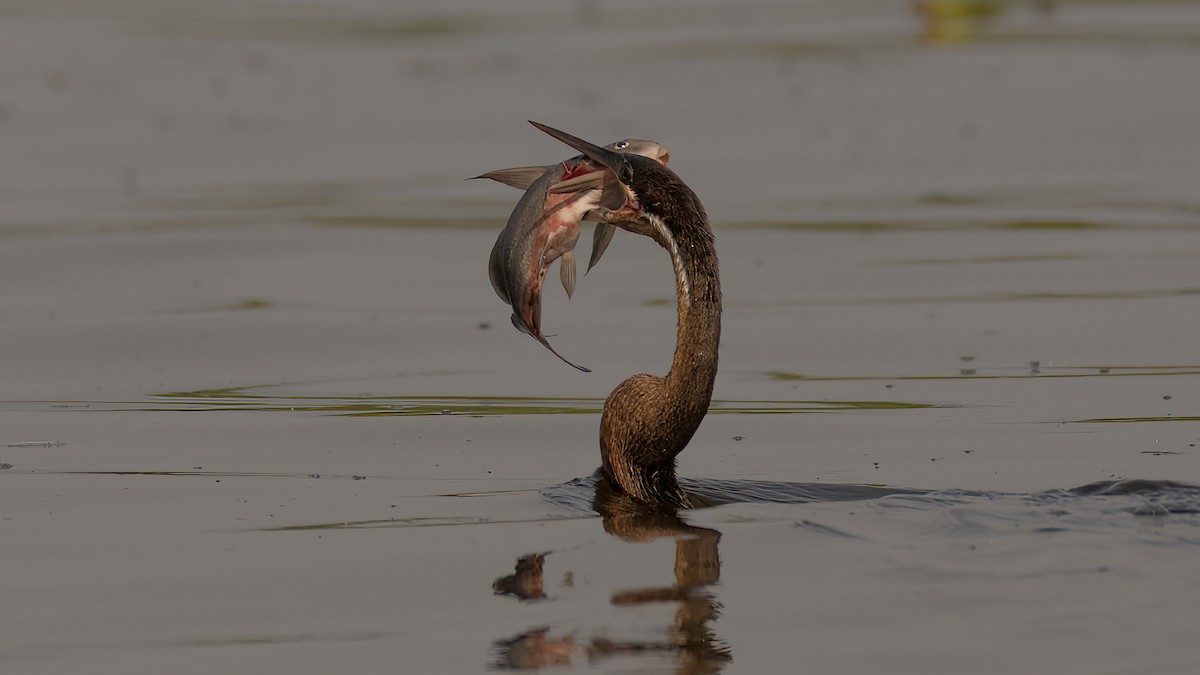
[[983, 260], [1122, 420], [368, 204], [791, 407], [785, 50], [949, 199], [432, 521], [1098, 295], [127, 222], [26, 229], [404, 222], [319, 26], [283, 639], [1069, 508], [825, 529], [860, 226], [237, 306], [1157, 38], [1027, 372], [577, 495], [711, 492], [1162, 513], [257, 198], [238, 400], [387, 406], [955, 513], [960, 513], [249, 303], [1022, 296], [791, 50], [1131, 496], [199, 473], [1061, 200], [1050, 225], [1141, 487], [920, 217], [373, 204]]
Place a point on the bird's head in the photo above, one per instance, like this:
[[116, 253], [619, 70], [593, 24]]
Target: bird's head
[[642, 195]]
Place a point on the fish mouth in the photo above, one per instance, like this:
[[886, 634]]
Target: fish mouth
[[608, 160], [583, 174], [592, 180], [618, 197]]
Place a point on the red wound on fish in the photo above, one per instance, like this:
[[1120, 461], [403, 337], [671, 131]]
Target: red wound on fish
[[575, 168]]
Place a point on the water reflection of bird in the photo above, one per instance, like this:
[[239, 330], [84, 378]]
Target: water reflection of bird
[[689, 639], [648, 420]]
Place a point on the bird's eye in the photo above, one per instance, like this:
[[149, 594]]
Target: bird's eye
[[626, 174], [621, 145]]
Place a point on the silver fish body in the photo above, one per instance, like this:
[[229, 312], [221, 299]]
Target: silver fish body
[[545, 226], [542, 228]]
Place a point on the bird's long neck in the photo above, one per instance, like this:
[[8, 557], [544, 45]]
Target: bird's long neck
[[649, 420], [698, 294]]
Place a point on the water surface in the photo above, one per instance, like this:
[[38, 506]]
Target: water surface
[[261, 412]]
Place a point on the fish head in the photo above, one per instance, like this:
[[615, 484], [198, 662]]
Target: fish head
[[636, 146]]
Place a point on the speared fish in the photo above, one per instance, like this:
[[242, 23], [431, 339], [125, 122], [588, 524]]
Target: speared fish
[[545, 225]]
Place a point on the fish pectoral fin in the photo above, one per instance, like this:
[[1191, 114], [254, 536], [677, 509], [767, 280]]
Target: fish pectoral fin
[[566, 272], [520, 177], [600, 239]]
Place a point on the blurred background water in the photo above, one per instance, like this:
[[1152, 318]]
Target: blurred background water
[[261, 412], [132, 112]]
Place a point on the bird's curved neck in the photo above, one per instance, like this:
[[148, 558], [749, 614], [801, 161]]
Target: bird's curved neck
[[649, 420], [698, 294]]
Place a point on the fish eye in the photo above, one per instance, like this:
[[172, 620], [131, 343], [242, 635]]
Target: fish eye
[[621, 145], [626, 174]]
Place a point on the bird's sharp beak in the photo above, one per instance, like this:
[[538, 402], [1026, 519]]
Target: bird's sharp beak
[[601, 178], [608, 158]]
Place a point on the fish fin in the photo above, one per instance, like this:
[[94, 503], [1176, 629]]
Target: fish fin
[[536, 334], [566, 272], [520, 177], [587, 181], [546, 344], [600, 239]]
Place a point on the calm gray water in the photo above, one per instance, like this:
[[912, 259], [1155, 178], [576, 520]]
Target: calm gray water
[[260, 410]]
